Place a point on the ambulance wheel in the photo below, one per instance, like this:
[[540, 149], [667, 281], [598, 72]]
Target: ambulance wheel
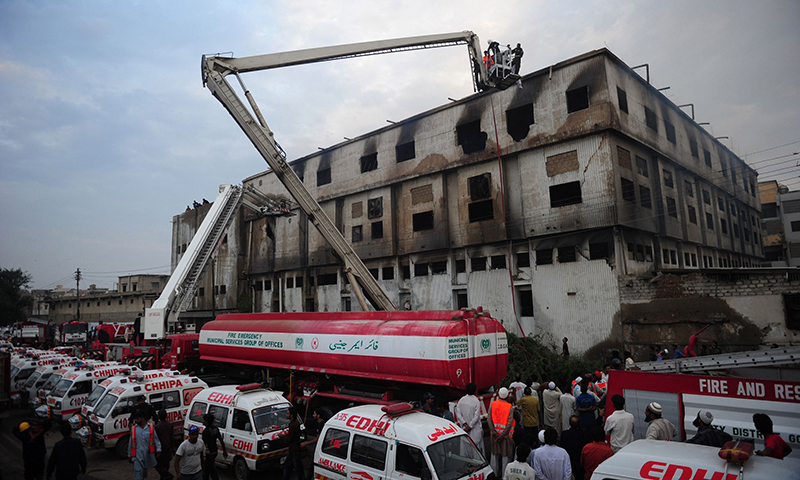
[[240, 469], [122, 448]]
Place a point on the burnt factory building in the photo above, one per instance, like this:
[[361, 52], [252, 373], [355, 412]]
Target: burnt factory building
[[537, 203]]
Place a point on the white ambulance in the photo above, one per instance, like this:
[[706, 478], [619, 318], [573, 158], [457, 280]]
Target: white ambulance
[[41, 394], [24, 366], [658, 460], [109, 421], [396, 442], [80, 419], [250, 419], [66, 398], [40, 376]]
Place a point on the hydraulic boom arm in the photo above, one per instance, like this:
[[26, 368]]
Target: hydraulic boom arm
[[216, 68]]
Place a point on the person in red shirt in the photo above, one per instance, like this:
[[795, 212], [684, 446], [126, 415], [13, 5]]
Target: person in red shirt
[[774, 445], [593, 454]]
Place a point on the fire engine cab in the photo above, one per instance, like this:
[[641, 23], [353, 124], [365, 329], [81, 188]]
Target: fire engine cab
[[395, 442], [109, 421], [250, 419]]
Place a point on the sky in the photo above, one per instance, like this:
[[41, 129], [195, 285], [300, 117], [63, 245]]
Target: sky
[[106, 131]]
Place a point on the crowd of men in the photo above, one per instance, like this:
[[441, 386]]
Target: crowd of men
[[543, 432]]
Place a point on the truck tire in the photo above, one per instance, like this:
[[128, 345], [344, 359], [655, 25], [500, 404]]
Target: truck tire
[[240, 469], [122, 447]]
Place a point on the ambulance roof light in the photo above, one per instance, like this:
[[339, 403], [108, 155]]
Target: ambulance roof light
[[248, 387], [397, 409]]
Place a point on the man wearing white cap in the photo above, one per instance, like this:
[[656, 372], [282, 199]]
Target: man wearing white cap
[[660, 428], [706, 434], [551, 404], [501, 417]]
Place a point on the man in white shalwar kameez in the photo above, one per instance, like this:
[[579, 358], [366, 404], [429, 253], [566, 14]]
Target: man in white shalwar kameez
[[468, 416]]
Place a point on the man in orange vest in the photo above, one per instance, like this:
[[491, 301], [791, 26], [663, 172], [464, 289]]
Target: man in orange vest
[[144, 445], [501, 417]]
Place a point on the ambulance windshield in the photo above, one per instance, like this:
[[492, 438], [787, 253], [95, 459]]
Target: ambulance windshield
[[455, 458], [33, 379], [271, 418], [95, 395], [105, 406], [50, 383], [61, 389]]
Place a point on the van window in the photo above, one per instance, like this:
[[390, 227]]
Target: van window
[[409, 460], [220, 415], [198, 410], [336, 443], [105, 405], [271, 418], [369, 452], [125, 406], [165, 400], [95, 396], [455, 455], [81, 388], [241, 420]]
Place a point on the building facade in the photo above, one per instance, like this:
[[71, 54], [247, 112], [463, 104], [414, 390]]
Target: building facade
[[772, 228], [532, 202]]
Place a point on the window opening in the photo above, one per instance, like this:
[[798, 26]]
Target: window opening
[[405, 152], [470, 137], [377, 230], [519, 121], [422, 221], [650, 119], [369, 162], [477, 263], [324, 176], [375, 207], [577, 99], [565, 194], [622, 98]]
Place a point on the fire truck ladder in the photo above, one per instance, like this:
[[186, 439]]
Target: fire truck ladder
[[755, 358]]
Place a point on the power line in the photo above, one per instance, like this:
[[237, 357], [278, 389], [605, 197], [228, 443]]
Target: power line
[[773, 148]]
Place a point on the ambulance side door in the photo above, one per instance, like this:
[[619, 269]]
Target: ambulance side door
[[77, 395], [367, 458], [240, 436], [331, 458], [221, 419]]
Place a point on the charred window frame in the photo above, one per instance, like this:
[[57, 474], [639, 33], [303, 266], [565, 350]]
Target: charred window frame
[[692, 215], [289, 282], [622, 99], [481, 211], [565, 194], [707, 157], [405, 151], [421, 269], [357, 234], [388, 273], [670, 131], [327, 279], [470, 137], [480, 186], [567, 254], [477, 264], [693, 148], [672, 207], [721, 205], [689, 188], [650, 119], [723, 226], [461, 266], [709, 221], [644, 197], [375, 273], [376, 230], [668, 181], [577, 99], [422, 221], [599, 251], [439, 268], [724, 165], [706, 197], [369, 162], [544, 256], [641, 167], [462, 301], [323, 176], [523, 260], [526, 302], [498, 262], [628, 190], [375, 207], [519, 121]]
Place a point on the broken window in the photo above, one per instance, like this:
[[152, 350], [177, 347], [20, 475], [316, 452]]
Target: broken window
[[724, 166], [298, 282], [461, 299], [707, 157], [374, 272], [650, 119], [721, 204], [526, 302], [641, 167], [693, 147], [598, 251], [639, 252], [290, 282], [470, 137], [267, 284], [388, 273], [622, 98], [644, 197], [665, 255], [422, 221], [461, 266], [628, 190], [692, 215], [405, 272], [439, 268], [324, 176], [577, 99], [544, 257], [369, 162], [327, 279], [498, 261], [375, 207], [670, 129], [689, 188], [672, 209], [523, 260], [706, 197], [565, 194], [519, 121], [309, 306], [710, 221], [567, 254], [480, 186], [405, 151], [420, 269], [480, 211], [723, 225], [377, 230], [668, 182], [477, 264], [358, 234]]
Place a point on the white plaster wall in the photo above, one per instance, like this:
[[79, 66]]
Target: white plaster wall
[[766, 312]]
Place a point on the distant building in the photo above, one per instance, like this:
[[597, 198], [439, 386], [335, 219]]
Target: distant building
[[134, 294], [772, 229], [545, 205], [789, 207]]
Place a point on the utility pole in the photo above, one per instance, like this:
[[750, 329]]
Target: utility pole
[[78, 281]]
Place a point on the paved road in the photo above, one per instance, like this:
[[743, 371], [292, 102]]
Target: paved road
[[102, 464]]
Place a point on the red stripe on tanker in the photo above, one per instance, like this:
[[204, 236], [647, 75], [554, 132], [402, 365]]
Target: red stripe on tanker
[[444, 348]]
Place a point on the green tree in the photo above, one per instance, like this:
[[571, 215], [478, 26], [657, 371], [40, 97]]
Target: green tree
[[535, 355], [13, 299]]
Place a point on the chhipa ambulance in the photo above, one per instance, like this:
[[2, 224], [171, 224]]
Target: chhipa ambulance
[[659, 460], [109, 422], [250, 419], [66, 398], [25, 366], [396, 442], [40, 376], [80, 419]]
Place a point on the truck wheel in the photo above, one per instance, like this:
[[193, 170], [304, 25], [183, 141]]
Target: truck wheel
[[122, 448], [240, 469]]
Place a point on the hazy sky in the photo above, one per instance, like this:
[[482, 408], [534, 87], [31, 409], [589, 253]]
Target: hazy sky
[[106, 131]]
